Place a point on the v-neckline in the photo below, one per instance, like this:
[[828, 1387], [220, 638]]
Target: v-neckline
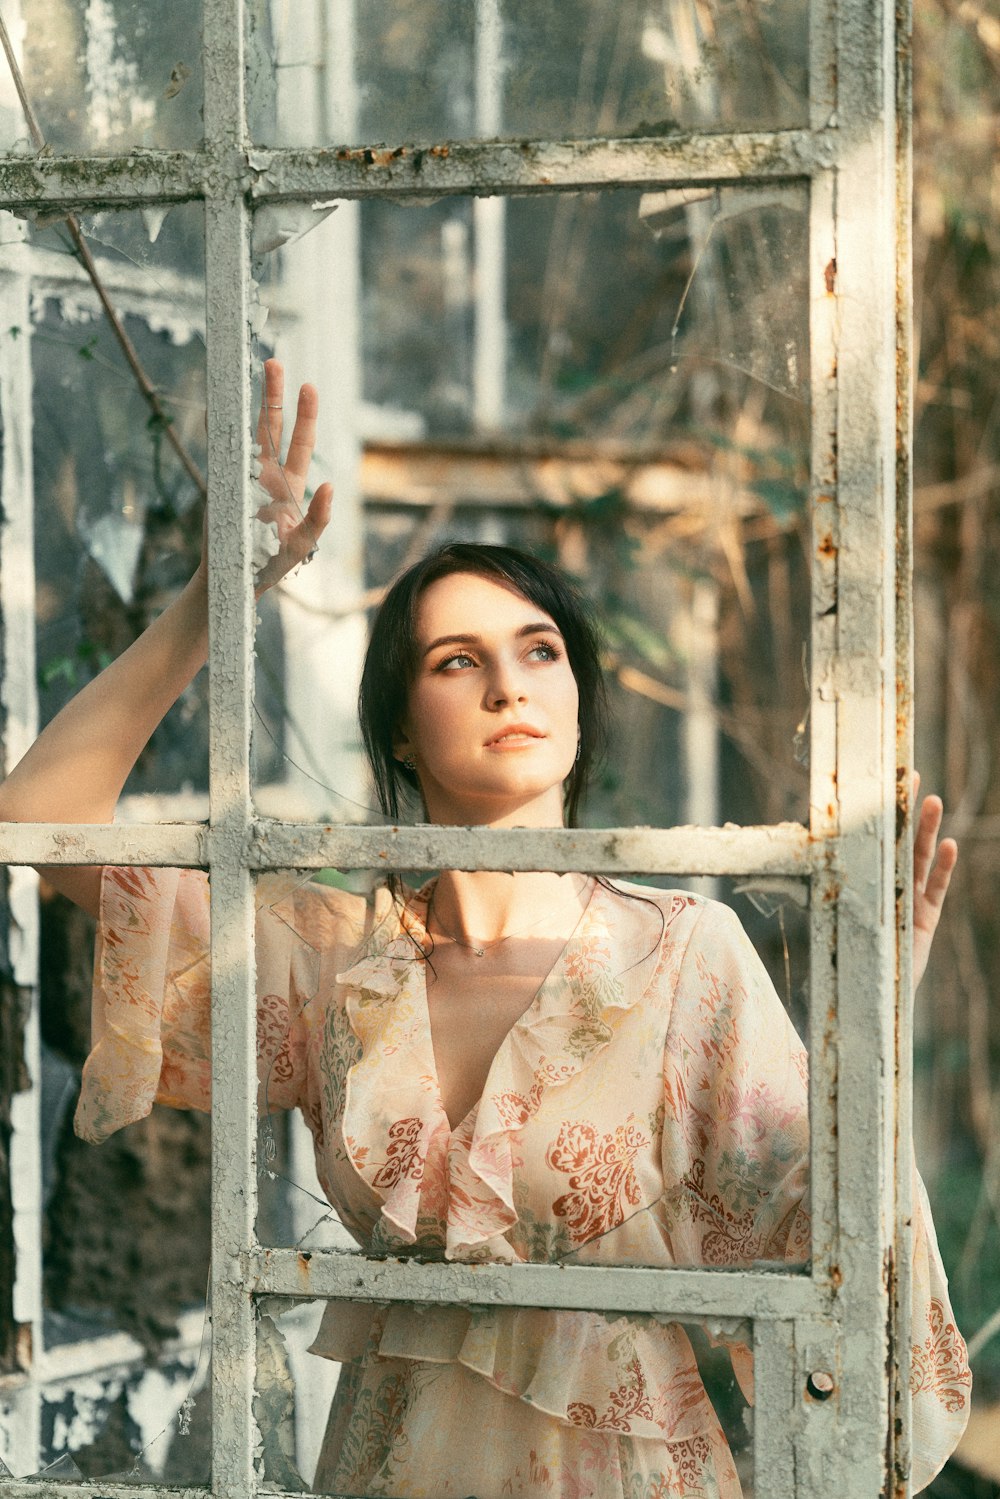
[[535, 1003]]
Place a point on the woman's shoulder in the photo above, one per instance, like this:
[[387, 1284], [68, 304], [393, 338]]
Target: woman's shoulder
[[682, 922], [680, 908]]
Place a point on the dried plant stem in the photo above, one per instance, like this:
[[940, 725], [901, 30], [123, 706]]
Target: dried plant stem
[[146, 387]]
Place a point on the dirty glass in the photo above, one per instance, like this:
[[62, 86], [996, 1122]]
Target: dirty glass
[[121, 1358], [427, 70], [118, 509], [104, 76], [617, 381], [372, 1139], [392, 1397]]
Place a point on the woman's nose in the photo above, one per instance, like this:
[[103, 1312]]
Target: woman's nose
[[505, 685]]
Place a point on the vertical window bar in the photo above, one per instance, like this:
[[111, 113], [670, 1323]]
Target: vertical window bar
[[904, 742], [866, 740], [489, 216], [231, 613], [20, 725], [774, 1410], [824, 817]]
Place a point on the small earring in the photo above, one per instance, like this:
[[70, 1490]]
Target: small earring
[[408, 762], [579, 745]]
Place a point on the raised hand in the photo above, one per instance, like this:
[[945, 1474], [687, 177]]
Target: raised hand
[[298, 533], [932, 870]]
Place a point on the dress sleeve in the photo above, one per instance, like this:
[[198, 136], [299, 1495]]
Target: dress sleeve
[[736, 1116], [736, 1166], [940, 1377], [152, 996]]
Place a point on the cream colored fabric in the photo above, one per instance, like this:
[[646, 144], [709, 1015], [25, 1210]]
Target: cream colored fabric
[[648, 1108]]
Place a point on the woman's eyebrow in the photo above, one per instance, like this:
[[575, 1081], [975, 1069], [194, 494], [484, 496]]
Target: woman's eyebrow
[[538, 627]]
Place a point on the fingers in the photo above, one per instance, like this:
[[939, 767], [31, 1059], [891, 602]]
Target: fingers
[[933, 865], [272, 398], [925, 840], [300, 449], [318, 514], [939, 878]]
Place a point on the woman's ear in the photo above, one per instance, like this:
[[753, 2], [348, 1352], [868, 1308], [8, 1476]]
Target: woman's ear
[[402, 748]]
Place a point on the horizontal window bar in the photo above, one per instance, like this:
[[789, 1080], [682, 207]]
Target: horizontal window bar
[[764, 1294], [539, 166], [782, 849], [102, 1488], [182, 844], [420, 171], [102, 181]]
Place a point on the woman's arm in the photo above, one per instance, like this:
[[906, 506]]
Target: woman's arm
[[75, 770]]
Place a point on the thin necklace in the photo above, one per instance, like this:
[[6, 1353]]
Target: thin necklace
[[482, 948]]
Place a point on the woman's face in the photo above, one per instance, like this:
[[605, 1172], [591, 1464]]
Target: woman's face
[[492, 713]]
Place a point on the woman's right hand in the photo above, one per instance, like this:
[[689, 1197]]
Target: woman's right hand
[[284, 484]]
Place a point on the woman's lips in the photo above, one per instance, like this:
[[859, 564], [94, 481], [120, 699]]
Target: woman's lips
[[517, 736]]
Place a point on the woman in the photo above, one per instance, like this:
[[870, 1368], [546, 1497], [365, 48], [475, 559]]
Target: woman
[[512, 1067]]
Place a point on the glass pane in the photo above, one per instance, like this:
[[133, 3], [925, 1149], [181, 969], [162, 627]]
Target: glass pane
[[124, 1341], [106, 75], [118, 514], [618, 383], [461, 1098], [385, 1399], [425, 71]]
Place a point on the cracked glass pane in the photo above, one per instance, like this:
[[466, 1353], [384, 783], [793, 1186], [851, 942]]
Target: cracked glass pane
[[480, 69], [114, 420], [121, 1347], [617, 382], [398, 1398], [103, 76]]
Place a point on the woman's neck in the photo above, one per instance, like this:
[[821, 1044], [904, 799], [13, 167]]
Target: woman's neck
[[484, 907]]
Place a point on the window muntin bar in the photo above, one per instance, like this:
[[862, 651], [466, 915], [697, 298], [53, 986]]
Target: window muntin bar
[[766, 1294], [271, 175], [782, 849], [231, 626]]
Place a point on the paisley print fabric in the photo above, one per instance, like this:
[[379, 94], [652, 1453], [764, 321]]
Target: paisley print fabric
[[649, 1107]]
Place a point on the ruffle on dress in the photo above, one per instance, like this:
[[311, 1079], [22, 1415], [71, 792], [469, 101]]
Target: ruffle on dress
[[629, 1374]]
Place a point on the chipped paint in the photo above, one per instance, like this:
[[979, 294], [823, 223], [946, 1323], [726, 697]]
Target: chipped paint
[[772, 1294]]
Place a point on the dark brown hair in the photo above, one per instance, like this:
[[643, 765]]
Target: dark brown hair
[[391, 659]]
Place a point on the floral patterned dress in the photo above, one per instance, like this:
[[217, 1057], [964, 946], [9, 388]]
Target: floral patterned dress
[[648, 1108]]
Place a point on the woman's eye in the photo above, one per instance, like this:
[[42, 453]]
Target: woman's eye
[[544, 652], [460, 660]]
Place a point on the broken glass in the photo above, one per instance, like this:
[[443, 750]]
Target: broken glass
[[480, 69], [117, 1381], [105, 76], [114, 416], [618, 381]]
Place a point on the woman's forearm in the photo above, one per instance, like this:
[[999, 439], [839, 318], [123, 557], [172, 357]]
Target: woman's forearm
[[75, 770]]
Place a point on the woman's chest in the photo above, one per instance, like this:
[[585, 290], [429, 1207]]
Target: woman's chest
[[563, 1146]]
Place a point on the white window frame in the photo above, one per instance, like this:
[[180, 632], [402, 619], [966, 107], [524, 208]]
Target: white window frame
[[849, 1315]]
